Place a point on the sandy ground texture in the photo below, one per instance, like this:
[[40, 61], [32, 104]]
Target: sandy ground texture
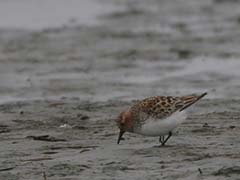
[[62, 88]]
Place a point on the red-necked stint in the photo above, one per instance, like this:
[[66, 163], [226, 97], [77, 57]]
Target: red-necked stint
[[156, 116]]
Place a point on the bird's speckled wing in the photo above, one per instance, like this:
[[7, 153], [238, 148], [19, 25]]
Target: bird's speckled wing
[[160, 107]]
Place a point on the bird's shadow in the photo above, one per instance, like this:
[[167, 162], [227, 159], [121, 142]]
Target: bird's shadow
[[161, 146]]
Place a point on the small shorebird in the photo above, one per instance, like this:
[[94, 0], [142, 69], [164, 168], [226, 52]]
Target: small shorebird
[[156, 116]]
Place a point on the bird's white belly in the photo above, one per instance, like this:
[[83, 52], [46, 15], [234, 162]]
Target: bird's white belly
[[159, 127]]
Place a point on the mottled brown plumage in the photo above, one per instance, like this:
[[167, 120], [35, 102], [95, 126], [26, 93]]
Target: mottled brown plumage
[[163, 106]]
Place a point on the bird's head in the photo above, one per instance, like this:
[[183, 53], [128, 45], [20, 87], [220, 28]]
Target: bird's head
[[125, 123]]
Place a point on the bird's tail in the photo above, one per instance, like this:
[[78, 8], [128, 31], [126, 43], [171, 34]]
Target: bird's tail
[[190, 100]]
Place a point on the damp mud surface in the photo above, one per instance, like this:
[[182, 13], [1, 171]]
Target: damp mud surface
[[62, 88]]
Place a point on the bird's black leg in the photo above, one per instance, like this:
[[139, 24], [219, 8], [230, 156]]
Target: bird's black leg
[[169, 135], [161, 139]]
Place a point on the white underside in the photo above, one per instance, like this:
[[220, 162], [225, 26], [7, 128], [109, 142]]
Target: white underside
[[159, 127]]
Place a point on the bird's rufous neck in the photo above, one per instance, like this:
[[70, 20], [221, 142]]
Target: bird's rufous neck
[[128, 120]]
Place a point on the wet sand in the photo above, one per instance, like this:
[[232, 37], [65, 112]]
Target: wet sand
[[62, 88]]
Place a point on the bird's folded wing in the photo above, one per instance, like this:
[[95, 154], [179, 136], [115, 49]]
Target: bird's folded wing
[[160, 107]]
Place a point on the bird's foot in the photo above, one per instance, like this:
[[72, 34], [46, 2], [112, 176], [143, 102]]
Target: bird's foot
[[162, 140]]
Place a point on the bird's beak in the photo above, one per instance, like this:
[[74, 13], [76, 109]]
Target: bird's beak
[[120, 136]]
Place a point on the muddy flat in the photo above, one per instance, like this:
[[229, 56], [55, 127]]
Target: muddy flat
[[63, 86]]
